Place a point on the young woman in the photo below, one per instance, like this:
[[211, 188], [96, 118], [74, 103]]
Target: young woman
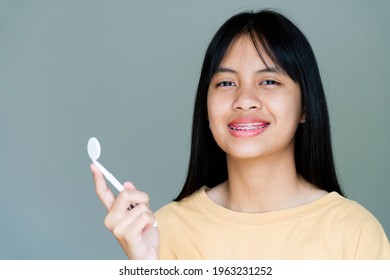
[[261, 181]]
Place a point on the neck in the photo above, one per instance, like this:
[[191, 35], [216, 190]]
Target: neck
[[264, 185]]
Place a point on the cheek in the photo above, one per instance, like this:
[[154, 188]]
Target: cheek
[[286, 108], [216, 109]]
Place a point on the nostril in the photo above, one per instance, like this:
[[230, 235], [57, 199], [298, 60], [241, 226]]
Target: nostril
[[246, 103], [247, 108]]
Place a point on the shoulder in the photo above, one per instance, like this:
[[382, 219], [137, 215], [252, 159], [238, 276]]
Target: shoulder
[[178, 210], [366, 219], [349, 213], [360, 227], [345, 208]]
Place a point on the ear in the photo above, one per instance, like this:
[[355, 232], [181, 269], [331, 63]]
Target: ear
[[303, 117]]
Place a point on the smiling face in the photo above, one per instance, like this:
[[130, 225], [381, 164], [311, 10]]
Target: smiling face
[[253, 108]]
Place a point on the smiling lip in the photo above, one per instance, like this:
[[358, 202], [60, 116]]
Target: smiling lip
[[247, 127]]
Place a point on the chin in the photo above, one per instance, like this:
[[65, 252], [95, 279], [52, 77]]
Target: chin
[[246, 154]]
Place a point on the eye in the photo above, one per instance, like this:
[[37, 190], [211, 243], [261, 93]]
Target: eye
[[226, 84], [269, 83]]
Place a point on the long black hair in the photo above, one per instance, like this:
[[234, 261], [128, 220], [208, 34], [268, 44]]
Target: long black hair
[[289, 49]]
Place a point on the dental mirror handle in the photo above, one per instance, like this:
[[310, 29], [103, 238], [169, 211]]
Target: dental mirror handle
[[114, 181], [109, 176]]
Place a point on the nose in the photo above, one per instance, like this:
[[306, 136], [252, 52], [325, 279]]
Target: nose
[[247, 99]]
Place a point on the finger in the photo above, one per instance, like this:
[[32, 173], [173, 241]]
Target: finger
[[144, 213], [101, 188], [129, 185], [135, 223], [129, 197], [140, 225], [118, 219], [126, 200]]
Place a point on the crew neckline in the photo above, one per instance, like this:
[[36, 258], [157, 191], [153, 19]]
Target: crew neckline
[[283, 215]]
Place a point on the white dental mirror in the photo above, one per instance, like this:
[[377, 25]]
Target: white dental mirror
[[94, 151]]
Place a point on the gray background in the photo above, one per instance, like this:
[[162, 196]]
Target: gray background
[[126, 72]]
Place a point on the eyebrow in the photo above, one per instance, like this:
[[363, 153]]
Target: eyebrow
[[265, 70]]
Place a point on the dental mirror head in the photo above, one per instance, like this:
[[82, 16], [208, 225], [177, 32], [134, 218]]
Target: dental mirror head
[[93, 148]]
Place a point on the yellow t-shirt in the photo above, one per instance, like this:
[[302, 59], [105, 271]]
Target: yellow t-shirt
[[331, 227]]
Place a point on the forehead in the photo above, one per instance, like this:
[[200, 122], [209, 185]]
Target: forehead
[[245, 49]]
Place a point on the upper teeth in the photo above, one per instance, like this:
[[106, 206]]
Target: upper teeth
[[248, 126]]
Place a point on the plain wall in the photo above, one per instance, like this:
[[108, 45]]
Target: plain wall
[[126, 72]]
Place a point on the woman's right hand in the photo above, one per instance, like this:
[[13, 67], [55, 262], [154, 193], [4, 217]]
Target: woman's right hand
[[132, 228]]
